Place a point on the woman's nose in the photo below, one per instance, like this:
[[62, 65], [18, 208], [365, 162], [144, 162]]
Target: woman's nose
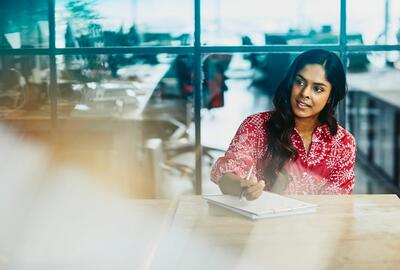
[[306, 91]]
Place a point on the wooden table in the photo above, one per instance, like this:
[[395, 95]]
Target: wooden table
[[347, 232], [85, 233]]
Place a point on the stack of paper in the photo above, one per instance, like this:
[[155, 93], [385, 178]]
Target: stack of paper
[[267, 205]]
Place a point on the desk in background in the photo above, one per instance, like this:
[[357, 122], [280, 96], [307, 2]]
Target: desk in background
[[109, 141], [347, 232], [147, 78]]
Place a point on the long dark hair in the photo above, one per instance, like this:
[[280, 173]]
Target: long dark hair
[[281, 123]]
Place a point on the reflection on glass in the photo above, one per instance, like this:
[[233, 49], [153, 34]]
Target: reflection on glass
[[373, 112], [262, 71], [130, 108], [109, 85], [382, 25], [23, 87], [24, 24], [100, 23], [261, 22]]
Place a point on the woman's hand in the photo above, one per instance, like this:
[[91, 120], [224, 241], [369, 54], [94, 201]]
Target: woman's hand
[[253, 188]]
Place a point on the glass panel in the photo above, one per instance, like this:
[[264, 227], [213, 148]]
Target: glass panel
[[129, 116], [262, 22], [373, 30], [108, 85], [244, 86], [24, 101], [373, 117], [100, 23], [24, 24], [235, 86]]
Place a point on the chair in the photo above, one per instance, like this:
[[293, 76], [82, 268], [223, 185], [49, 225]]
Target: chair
[[172, 124], [168, 115], [214, 87], [13, 89]]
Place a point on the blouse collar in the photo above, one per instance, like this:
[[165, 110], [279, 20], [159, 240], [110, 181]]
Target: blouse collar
[[319, 132]]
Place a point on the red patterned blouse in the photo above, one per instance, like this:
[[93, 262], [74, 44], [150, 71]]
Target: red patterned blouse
[[328, 168]]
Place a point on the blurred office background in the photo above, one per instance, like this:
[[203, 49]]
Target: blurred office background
[[109, 87]]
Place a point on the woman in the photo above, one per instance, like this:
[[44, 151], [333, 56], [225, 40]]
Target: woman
[[299, 148]]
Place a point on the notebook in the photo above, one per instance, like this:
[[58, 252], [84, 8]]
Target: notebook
[[267, 205]]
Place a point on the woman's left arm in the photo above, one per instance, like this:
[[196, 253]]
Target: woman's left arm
[[341, 179]]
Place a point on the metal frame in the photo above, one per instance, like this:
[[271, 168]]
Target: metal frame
[[341, 109], [202, 49], [197, 98], [197, 50], [53, 66]]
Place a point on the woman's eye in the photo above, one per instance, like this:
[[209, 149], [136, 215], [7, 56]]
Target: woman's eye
[[299, 82], [318, 89]]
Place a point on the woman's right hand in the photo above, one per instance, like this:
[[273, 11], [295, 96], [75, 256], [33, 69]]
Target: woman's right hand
[[253, 188]]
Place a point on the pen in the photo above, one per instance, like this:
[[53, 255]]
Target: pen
[[247, 178]]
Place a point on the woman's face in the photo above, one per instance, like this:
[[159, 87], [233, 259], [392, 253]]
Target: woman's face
[[310, 92]]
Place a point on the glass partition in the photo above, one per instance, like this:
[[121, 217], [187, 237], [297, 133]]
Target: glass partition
[[373, 115], [257, 22], [117, 103], [129, 116], [100, 23], [24, 96], [24, 24], [377, 22]]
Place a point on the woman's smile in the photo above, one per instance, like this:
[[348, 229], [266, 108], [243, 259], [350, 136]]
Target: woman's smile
[[302, 104]]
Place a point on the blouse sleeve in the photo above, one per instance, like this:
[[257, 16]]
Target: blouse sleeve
[[241, 154], [341, 178]]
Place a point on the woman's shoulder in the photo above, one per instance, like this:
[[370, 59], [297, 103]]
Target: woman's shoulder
[[259, 119], [344, 136]]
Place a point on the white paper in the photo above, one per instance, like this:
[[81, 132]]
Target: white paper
[[267, 205]]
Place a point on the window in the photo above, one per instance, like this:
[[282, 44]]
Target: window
[[24, 24], [63, 49], [254, 22], [95, 23]]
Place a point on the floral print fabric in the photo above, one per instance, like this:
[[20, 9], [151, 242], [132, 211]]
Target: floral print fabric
[[328, 167]]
